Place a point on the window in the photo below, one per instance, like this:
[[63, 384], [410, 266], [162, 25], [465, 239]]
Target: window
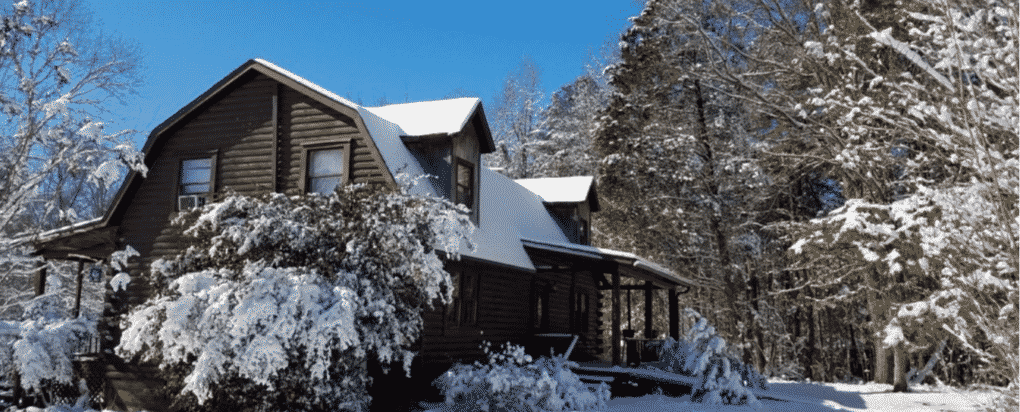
[[325, 170], [540, 321], [195, 182], [583, 235], [581, 312], [463, 311], [465, 190]]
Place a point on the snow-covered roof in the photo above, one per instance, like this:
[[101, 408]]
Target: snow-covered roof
[[431, 117], [509, 211], [560, 189], [321, 90], [621, 257]]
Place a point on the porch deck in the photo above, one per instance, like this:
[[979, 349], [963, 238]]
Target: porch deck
[[634, 381]]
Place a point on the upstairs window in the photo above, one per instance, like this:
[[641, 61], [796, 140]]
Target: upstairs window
[[465, 189], [325, 170], [195, 183]]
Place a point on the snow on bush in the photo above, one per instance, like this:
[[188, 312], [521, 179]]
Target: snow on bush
[[510, 381], [702, 353], [41, 348], [278, 302]]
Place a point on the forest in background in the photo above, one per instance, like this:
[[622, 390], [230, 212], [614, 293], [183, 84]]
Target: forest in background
[[841, 177]]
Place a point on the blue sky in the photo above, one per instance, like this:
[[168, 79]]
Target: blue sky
[[397, 50]]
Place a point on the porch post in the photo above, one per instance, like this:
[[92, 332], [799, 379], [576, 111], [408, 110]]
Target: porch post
[[615, 344], [77, 291], [40, 278], [648, 310], [674, 314]]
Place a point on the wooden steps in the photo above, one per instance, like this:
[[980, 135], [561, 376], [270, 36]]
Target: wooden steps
[[592, 382], [634, 381], [132, 388]]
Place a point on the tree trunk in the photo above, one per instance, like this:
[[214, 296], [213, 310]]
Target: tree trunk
[[809, 351], [899, 368], [876, 311]]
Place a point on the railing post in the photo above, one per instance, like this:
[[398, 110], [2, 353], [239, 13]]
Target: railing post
[[674, 314], [615, 346], [77, 292], [40, 278], [648, 311]]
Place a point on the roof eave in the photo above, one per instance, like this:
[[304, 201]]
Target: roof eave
[[652, 270]]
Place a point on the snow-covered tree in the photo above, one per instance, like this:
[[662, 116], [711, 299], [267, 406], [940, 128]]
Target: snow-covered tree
[[721, 376], [57, 77], [518, 107], [58, 161], [677, 164], [278, 303], [912, 110], [562, 142]]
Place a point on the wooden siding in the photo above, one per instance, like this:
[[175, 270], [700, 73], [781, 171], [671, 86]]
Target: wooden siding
[[237, 128], [303, 121], [505, 314]]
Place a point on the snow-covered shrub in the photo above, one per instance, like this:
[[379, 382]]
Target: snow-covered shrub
[[511, 381], [41, 348], [702, 353], [278, 302]]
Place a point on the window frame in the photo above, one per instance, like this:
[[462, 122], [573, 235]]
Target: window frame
[[540, 306], [462, 313], [343, 145], [472, 185], [212, 155], [581, 312]]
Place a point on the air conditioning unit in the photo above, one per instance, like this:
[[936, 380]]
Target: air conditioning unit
[[190, 202]]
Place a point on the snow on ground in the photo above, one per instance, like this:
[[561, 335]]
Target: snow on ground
[[801, 397], [820, 397], [823, 397]]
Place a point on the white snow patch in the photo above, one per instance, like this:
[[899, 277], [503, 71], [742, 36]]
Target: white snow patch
[[430, 117], [572, 189]]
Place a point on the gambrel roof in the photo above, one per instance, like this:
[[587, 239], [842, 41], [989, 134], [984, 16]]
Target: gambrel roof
[[510, 215]]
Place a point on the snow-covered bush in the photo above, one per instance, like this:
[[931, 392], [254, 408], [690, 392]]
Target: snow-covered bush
[[40, 349], [278, 302], [702, 353], [511, 381]]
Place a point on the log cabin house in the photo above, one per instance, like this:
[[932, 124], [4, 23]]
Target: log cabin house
[[533, 277]]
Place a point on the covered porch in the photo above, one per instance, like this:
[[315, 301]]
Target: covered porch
[[608, 268], [86, 243]]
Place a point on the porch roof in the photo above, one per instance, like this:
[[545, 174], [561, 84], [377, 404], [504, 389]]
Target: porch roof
[[629, 264], [90, 240]]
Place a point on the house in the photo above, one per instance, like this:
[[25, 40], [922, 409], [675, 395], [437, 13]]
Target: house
[[534, 275]]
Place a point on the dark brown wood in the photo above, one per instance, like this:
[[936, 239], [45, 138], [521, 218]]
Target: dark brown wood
[[674, 314], [648, 310], [615, 344], [40, 279], [77, 290], [276, 135]]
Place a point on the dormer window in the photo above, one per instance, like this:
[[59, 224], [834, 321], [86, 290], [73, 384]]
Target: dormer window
[[465, 190], [196, 182]]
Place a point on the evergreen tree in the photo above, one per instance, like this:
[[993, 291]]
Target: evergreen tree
[[562, 143], [678, 166]]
